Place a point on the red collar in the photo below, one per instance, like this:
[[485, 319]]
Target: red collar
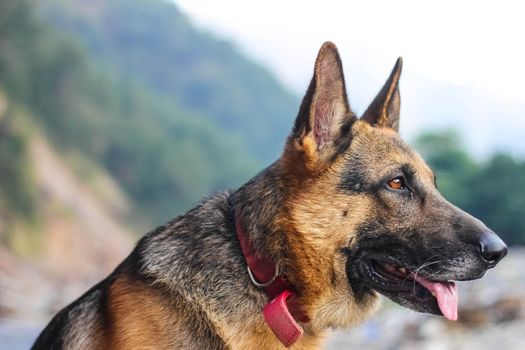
[[281, 311]]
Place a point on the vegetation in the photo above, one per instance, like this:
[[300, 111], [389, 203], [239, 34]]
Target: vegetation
[[165, 157], [155, 43], [173, 113], [16, 183]]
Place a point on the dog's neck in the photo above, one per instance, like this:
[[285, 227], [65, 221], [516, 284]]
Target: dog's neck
[[258, 203], [257, 207]]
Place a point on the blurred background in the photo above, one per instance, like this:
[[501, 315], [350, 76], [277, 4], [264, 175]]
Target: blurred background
[[116, 116]]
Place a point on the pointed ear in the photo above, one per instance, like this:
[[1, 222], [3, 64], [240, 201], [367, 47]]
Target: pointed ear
[[325, 116], [384, 110]]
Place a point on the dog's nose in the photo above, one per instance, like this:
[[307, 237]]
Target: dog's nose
[[492, 248]]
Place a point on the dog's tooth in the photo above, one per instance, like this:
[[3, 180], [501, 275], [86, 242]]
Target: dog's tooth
[[402, 269], [434, 294]]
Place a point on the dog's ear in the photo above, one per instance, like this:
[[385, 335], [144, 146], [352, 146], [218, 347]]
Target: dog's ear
[[325, 117], [384, 110]]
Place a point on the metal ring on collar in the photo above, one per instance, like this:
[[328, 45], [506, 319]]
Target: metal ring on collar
[[262, 285]]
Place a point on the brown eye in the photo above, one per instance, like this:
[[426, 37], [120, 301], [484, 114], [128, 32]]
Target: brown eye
[[397, 184]]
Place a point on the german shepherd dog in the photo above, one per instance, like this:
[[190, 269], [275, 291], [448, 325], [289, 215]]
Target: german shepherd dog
[[348, 212]]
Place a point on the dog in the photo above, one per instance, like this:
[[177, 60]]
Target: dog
[[348, 212]]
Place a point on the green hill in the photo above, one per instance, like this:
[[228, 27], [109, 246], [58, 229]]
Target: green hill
[[154, 42], [172, 113]]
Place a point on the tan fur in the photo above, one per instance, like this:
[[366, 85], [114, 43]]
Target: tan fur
[[320, 221], [140, 317], [259, 336]]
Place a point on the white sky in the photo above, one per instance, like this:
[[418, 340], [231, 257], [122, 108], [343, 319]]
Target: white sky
[[479, 44]]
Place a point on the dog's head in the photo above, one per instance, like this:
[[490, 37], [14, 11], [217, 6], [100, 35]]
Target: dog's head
[[365, 213]]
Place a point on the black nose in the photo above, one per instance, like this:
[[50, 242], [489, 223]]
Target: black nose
[[492, 248]]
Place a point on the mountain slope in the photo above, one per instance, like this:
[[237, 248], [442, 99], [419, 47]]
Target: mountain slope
[[170, 112], [155, 42]]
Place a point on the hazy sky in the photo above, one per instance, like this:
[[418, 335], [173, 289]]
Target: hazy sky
[[472, 45]]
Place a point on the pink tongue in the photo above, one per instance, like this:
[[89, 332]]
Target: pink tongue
[[446, 294]]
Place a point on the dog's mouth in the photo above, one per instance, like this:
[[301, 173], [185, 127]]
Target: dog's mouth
[[410, 287]]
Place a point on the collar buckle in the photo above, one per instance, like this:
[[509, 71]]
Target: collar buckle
[[259, 284]]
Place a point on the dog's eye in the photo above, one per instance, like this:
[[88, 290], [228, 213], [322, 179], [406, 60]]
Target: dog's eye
[[397, 183]]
